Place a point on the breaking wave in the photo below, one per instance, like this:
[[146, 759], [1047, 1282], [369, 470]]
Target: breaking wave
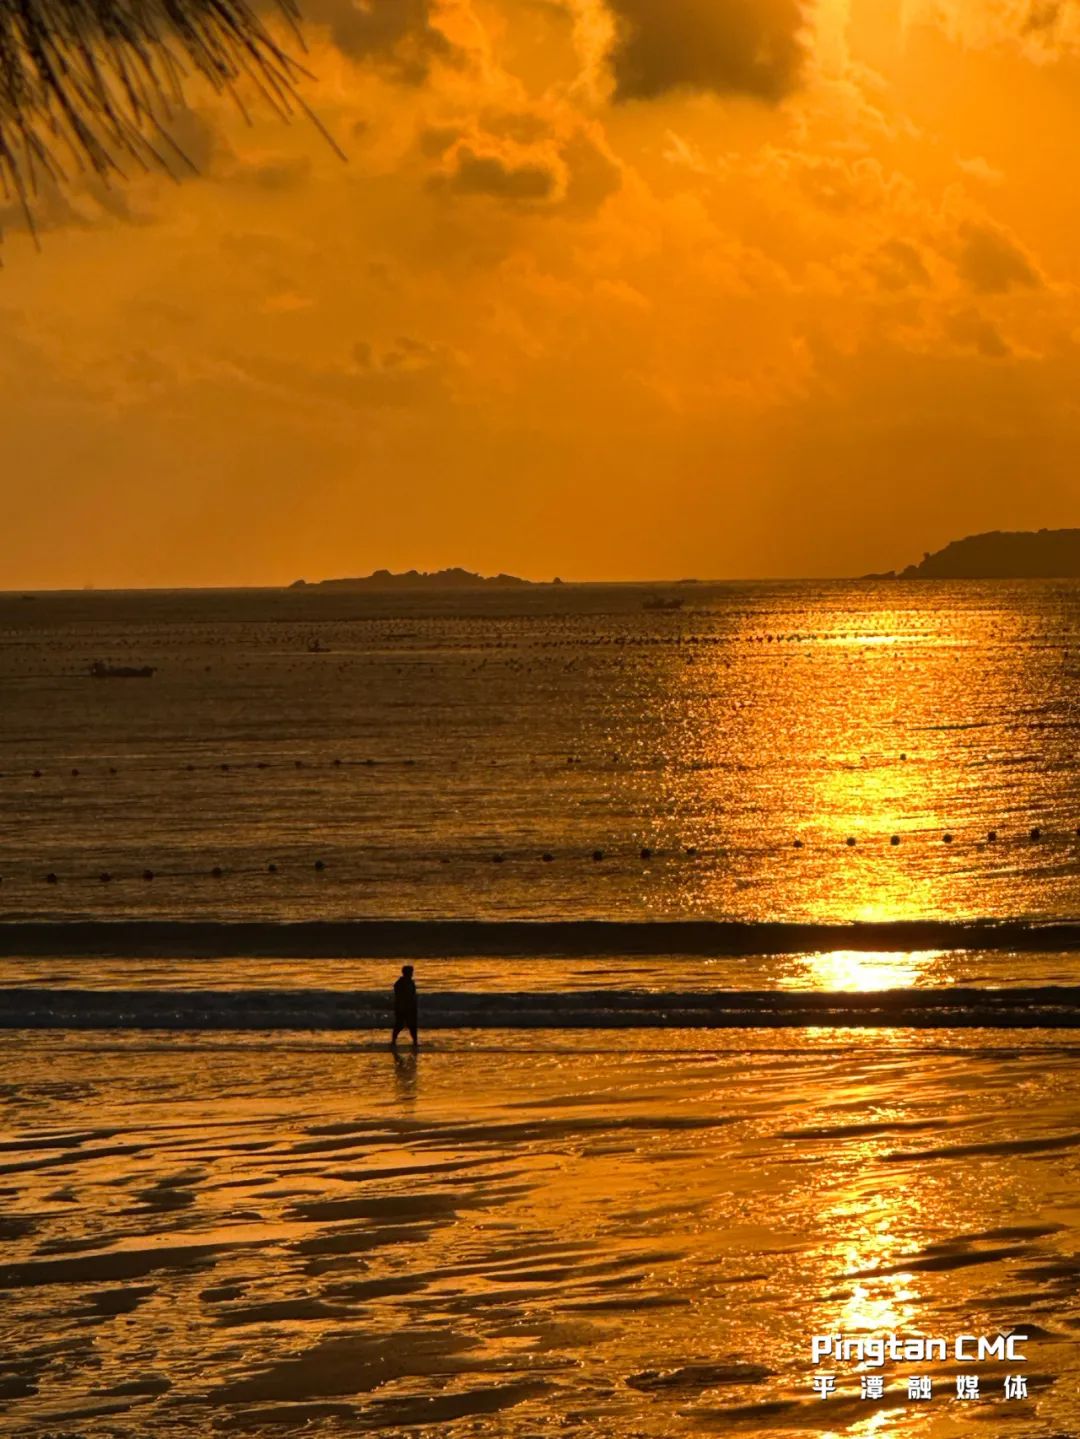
[[1045, 1007]]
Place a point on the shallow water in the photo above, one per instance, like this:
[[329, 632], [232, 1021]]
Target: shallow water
[[515, 1236]]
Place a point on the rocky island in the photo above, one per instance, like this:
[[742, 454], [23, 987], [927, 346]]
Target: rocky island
[[1000, 555], [451, 579]]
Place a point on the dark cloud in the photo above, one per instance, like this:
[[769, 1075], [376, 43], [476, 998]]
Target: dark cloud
[[972, 331], [521, 126], [401, 34], [898, 266], [437, 139], [565, 173], [496, 175], [728, 47], [592, 175], [199, 152], [90, 203], [279, 175], [405, 355], [1043, 16], [992, 263], [193, 145]]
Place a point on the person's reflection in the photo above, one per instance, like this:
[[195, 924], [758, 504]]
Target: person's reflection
[[405, 1075]]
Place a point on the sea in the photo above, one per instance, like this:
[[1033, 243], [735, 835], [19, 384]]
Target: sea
[[746, 933], [546, 753]]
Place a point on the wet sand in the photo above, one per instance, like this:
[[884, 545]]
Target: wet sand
[[618, 1234]]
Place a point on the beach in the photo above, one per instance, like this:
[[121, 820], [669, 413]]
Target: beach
[[745, 938], [517, 1235]]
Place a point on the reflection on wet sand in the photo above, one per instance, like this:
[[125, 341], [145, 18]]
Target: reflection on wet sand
[[614, 1239], [406, 1075]]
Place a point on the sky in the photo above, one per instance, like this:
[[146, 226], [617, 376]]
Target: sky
[[601, 288]]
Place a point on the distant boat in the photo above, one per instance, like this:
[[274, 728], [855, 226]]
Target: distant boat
[[317, 648], [101, 671], [658, 602]]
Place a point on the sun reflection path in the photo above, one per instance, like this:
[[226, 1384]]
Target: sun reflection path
[[865, 970]]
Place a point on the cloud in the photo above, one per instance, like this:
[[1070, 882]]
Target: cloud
[[276, 174], [972, 331], [991, 262], [979, 168], [194, 143], [403, 356], [726, 47], [1042, 30], [403, 35], [898, 265], [496, 175], [524, 159]]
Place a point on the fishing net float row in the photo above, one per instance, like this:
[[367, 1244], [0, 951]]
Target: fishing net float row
[[597, 856], [238, 766], [227, 766], [216, 872], [319, 866], [895, 840]]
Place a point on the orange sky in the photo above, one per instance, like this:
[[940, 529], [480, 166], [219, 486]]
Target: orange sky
[[605, 288]]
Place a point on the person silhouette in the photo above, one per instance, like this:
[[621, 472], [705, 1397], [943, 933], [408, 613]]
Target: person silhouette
[[405, 1006]]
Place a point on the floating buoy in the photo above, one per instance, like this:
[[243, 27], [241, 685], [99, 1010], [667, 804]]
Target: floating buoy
[[112, 769], [51, 879], [190, 768], [37, 774], [319, 865], [105, 876], [496, 859], [797, 844], [991, 838], [547, 857], [851, 841], [337, 764], [946, 839], [271, 869], [1036, 833], [225, 767], [299, 763], [903, 756], [148, 874], [74, 774], [646, 853], [598, 855], [217, 871]]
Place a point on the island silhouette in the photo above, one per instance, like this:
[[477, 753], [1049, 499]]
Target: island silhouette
[[449, 579], [1000, 555]]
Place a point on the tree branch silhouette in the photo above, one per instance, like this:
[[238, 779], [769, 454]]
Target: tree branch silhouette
[[87, 85]]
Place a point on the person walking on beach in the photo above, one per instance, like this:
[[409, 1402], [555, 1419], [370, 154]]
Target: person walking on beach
[[405, 1006]]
